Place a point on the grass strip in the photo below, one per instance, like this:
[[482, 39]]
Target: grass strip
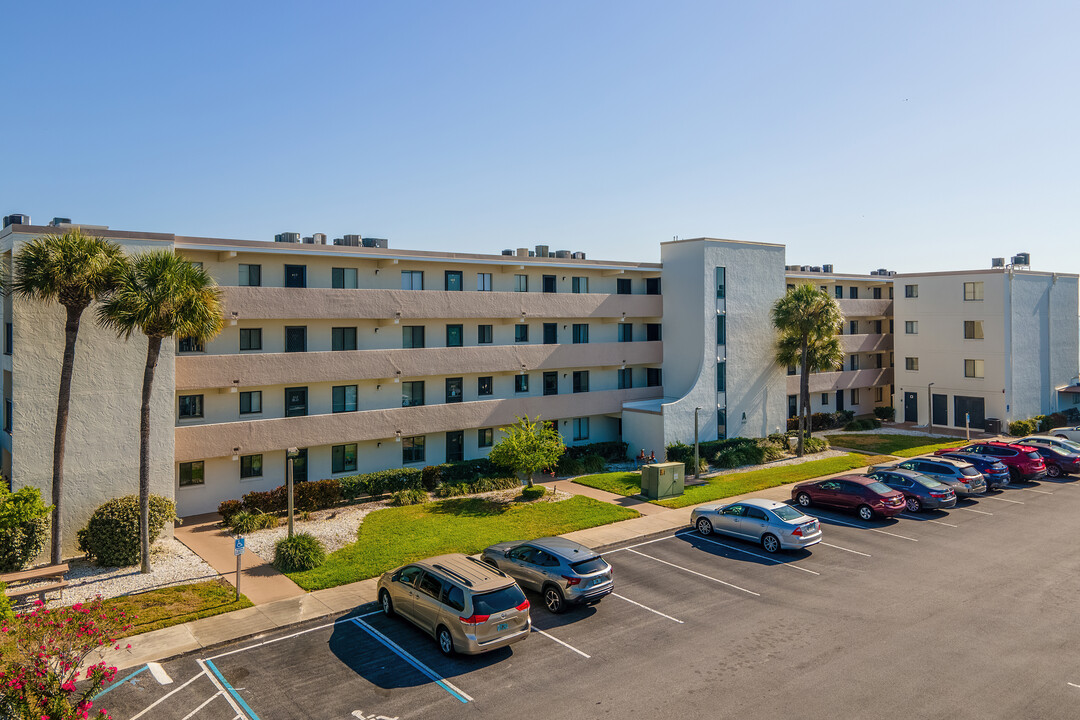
[[898, 445], [620, 483], [156, 609]]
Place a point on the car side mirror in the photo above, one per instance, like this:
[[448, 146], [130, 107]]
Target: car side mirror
[[506, 553]]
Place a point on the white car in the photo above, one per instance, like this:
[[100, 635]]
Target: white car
[[1049, 441], [1069, 433], [776, 525]]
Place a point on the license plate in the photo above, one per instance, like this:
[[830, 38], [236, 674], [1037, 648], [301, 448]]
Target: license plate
[[502, 626], [599, 581]]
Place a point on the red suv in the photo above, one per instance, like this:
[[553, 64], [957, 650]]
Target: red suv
[[865, 494], [1023, 461]]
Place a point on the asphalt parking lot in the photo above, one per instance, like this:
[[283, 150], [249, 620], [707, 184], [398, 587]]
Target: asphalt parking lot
[[957, 614]]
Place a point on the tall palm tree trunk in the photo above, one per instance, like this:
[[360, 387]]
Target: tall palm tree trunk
[[153, 349], [63, 406], [804, 398]]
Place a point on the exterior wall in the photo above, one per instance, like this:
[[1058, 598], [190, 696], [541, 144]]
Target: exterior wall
[[1043, 340], [644, 430]]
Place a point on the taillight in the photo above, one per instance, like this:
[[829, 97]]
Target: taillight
[[523, 606], [475, 619], [797, 532], [963, 480], [938, 495], [571, 581]]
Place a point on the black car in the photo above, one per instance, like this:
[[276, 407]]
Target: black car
[[994, 472], [920, 491], [1058, 462]]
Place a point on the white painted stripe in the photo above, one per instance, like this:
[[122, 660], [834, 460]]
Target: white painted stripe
[[863, 527], [981, 512], [295, 634], [1073, 684], [694, 572], [401, 652], [159, 673], [1041, 492], [747, 552], [565, 645], [991, 497], [921, 519], [166, 696], [204, 704], [227, 696], [646, 607], [856, 552], [631, 547]]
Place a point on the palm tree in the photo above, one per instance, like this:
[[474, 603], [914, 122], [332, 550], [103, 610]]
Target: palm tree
[[163, 295], [74, 270], [808, 320]]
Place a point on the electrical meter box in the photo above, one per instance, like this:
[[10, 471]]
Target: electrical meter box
[[662, 480]]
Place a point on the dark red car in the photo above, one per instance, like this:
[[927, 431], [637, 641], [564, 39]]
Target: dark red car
[[865, 495], [1024, 461]]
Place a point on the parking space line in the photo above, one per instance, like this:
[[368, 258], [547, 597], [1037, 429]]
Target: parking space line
[[694, 572], [747, 552], [981, 512], [921, 519], [295, 634], [863, 527], [169, 694], [446, 685], [1073, 684], [1041, 492], [225, 686], [1014, 502], [845, 549], [118, 683], [647, 542], [646, 607], [568, 646], [204, 704], [159, 673]]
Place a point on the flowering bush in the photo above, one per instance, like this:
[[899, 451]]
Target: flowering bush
[[43, 653]]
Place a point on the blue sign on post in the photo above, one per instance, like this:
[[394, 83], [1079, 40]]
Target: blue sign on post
[[238, 548]]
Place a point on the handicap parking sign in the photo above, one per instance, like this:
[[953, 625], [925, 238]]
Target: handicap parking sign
[[238, 547]]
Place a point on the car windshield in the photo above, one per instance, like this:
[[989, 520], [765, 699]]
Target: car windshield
[[498, 601], [969, 471], [591, 565], [787, 512], [929, 482], [880, 488]]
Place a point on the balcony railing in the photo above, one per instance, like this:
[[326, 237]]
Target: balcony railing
[[842, 380], [868, 307], [866, 343]]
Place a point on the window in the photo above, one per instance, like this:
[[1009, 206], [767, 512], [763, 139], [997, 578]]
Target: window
[[581, 381], [652, 286], [485, 437], [626, 332], [412, 449], [412, 279], [521, 332], [250, 466], [973, 368], [453, 280], [877, 293], [548, 283], [251, 402], [296, 276], [343, 458], [521, 383], [721, 424], [521, 283], [911, 291], [653, 377], [192, 473], [853, 327], [250, 275], [792, 406], [296, 339], [721, 282], [791, 370], [911, 327], [412, 393], [189, 345], [721, 329], [581, 333], [191, 406], [622, 286], [579, 284], [299, 465], [454, 335], [973, 291], [855, 396], [344, 398], [838, 291], [343, 278], [484, 385], [911, 363], [455, 389], [652, 332], [973, 330], [484, 334], [412, 336], [551, 333], [295, 401], [853, 363], [890, 327], [9, 342], [721, 377], [483, 282], [879, 394], [853, 292], [877, 327], [824, 398], [343, 338], [879, 361], [551, 383], [581, 428], [892, 359], [250, 339], [626, 378]]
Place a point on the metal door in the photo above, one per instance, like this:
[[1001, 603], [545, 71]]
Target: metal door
[[941, 409], [911, 407], [839, 400]]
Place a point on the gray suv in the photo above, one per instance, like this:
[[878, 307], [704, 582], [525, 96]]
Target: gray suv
[[563, 571], [962, 477]]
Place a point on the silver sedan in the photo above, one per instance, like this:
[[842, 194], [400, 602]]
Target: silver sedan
[[776, 525]]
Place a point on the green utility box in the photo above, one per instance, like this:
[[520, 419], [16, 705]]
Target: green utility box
[[662, 480]]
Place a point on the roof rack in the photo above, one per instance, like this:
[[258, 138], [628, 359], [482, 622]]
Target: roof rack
[[456, 575], [486, 566]]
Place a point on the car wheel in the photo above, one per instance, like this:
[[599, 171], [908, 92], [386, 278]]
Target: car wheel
[[446, 641], [1053, 471], [865, 512], [387, 603], [553, 600], [803, 499], [491, 562], [770, 543], [913, 504], [704, 526], [1061, 437]]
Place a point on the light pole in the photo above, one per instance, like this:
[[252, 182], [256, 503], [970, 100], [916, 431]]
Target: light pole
[[929, 408], [292, 453], [697, 462]]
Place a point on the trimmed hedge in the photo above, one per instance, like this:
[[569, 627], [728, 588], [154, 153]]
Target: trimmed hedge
[[245, 522], [813, 445], [111, 537], [480, 486], [866, 424], [381, 482], [1020, 428], [885, 412], [1037, 424], [569, 467], [24, 527], [612, 451], [298, 553], [533, 493], [228, 508], [455, 472], [408, 497], [593, 463]]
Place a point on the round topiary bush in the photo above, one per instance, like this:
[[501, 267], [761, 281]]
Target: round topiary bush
[[111, 537], [300, 552], [24, 527], [533, 493]]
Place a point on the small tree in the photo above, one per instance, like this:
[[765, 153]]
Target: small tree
[[24, 527], [527, 447]]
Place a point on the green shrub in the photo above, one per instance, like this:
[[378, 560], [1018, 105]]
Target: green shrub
[[815, 445], [451, 490], [111, 537], [492, 484], [408, 497], [1051, 421], [227, 508], [5, 604], [533, 493], [885, 412], [772, 453], [245, 522], [380, 483], [24, 527], [569, 467], [453, 472], [298, 553], [317, 494], [593, 464], [266, 501], [1020, 428], [612, 451], [739, 455]]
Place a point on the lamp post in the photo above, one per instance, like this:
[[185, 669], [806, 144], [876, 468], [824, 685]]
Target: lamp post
[[697, 462], [292, 453], [929, 408]]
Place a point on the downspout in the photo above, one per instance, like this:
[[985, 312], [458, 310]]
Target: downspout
[[1009, 348], [1052, 400]]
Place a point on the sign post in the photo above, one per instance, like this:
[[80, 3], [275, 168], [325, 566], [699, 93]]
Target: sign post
[[238, 550], [967, 425]]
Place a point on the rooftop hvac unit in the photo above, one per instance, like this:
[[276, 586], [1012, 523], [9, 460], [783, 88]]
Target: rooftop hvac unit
[[541, 251], [890, 273], [882, 271], [351, 240], [308, 241], [16, 219], [997, 262], [791, 267], [873, 272], [58, 221], [826, 268], [523, 252], [376, 243], [1022, 259], [319, 238], [508, 252], [562, 253], [532, 254], [816, 268], [578, 255], [289, 237]]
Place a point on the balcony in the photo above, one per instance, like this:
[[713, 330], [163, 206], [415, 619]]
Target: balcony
[[197, 442], [265, 303], [843, 380], [865, 308], [865, 343], [254, 370]]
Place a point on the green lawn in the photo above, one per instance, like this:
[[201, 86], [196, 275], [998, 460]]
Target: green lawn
[[156, 609], [392, 537], [899, 445], [620, 483]]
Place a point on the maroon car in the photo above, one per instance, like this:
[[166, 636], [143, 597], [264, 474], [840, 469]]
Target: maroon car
[[1023, 461], [851, 492]]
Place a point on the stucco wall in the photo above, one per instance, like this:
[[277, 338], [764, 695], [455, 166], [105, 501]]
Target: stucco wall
[[644, 431], [1043, 340]]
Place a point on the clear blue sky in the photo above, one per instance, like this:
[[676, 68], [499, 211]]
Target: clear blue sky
[[909, 135]]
